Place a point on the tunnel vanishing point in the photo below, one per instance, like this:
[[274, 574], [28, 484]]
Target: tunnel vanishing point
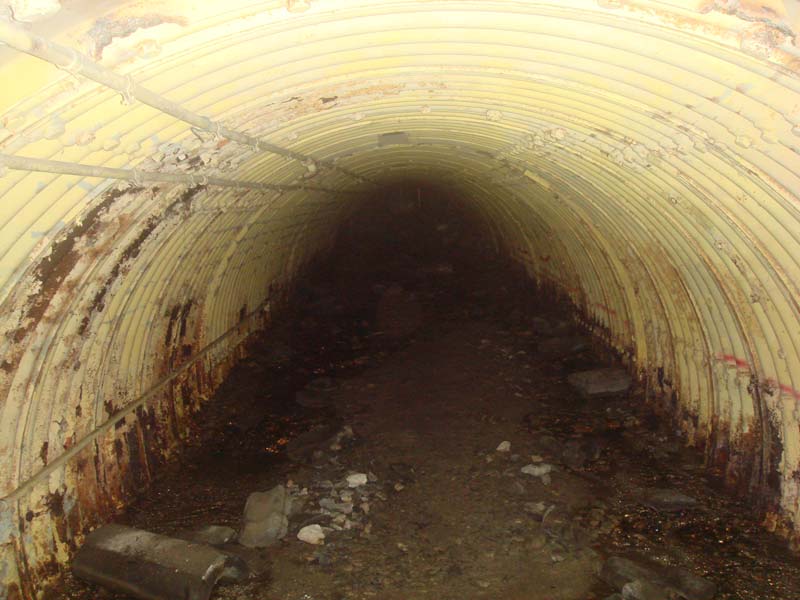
[[168, 168]]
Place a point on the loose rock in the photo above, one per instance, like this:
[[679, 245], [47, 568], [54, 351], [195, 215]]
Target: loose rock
[[261, 505], [265, 518], [213, 535], [537, 509], [504, 446], [667, 500], [600, 382], [333, 506], [618, 572], [311, 534], [260, 534], [689, 584], [539, 470], [357, 480], [644, 590]]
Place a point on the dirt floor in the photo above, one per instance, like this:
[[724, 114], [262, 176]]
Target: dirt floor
[[431, 359]]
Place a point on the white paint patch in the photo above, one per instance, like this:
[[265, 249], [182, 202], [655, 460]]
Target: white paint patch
[[34, 10]]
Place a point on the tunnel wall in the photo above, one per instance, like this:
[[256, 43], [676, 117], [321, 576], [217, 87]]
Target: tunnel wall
[[169, 167]]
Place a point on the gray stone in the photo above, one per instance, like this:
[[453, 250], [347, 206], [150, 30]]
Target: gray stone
[[213, 535], [600, 382], [536, 509], [296, 505], [302, 447], [260, 534], [667, 500], [689, 584], [561, 347], [266, 518], [618, 571], [539, 470], [642, 589], [331, 505], [261, 505]]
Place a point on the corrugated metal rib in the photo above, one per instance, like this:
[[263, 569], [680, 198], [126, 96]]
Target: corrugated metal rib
[[640, 157]]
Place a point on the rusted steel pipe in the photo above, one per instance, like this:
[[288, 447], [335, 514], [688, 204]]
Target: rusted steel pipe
[[76, 63], [26, 163]]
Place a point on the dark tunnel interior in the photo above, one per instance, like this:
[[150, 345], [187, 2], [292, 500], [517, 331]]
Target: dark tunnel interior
[[416, 355]]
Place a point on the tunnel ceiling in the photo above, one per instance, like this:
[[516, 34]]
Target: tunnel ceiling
[[169, 166]]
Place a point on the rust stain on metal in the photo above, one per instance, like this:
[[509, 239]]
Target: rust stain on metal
[[177, 317], [128, 254], [52, 270]]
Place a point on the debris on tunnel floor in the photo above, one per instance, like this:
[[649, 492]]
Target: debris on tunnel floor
[[154, 567], [599, 382], [452, 458]]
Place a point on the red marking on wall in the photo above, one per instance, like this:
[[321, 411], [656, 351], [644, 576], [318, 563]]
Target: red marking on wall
[[735, 361], [743, 365], [784, 389]]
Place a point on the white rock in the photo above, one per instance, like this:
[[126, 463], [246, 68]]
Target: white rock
[[539, 470], [311, 534], [504, 446], [535, 508], [357, 479]]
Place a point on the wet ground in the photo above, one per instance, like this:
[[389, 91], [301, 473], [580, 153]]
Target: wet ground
[[432, 364]]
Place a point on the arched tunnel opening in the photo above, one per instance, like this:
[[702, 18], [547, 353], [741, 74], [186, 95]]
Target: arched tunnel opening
[[500, 297]]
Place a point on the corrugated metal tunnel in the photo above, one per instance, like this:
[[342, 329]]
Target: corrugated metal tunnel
[[169, 167]]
